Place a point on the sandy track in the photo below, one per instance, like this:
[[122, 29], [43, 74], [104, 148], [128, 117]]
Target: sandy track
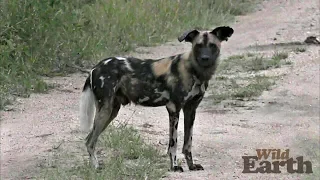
[[284, 117]]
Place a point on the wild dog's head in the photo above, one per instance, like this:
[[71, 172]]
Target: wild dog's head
[[206, 44]]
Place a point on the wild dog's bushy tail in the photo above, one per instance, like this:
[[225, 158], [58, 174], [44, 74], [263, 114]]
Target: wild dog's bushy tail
[[87, 107]]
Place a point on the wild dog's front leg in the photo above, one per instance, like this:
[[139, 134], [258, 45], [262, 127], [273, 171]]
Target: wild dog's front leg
[[173, 135], [189, 115]]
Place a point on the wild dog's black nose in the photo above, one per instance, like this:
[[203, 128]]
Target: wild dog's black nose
[[204, 58]]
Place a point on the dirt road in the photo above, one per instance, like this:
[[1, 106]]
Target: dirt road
[[286, 117]]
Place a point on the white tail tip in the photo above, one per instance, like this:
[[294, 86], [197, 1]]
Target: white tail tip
[[87, 110]]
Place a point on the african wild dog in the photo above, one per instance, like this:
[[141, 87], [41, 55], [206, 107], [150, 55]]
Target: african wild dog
[[177, 82]]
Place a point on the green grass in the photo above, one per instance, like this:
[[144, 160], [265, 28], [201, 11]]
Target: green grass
[[239, 88], [276, 61], [257, 85], [238, 76], [46, 38], [300, 49], [249, 62], [127, 157], [280, 55]]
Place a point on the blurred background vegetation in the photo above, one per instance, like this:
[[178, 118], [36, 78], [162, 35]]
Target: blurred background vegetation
[[45, 38]]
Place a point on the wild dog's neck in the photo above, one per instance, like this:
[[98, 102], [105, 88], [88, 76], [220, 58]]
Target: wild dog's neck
[[202, 73]]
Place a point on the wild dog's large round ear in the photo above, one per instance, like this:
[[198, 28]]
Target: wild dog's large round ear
[[188, 36], [223, 32]]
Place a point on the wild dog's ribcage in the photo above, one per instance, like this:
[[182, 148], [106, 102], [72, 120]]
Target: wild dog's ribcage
[[145, 92]]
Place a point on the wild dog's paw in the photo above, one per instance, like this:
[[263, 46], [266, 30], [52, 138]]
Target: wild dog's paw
[[177, 169], [99, 166], [195, 167]]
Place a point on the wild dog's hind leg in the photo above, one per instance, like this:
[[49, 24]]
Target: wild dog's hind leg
[[189, 111], [115, 110], [106, 112], [173, 135]]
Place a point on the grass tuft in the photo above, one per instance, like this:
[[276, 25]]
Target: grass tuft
[[257, 85], [127, 156], [238, 77], [239, 88], [280, 55], [300, 49], [249, 62]]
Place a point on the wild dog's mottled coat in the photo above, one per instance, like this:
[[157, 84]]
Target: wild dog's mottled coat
[[177, 82]]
